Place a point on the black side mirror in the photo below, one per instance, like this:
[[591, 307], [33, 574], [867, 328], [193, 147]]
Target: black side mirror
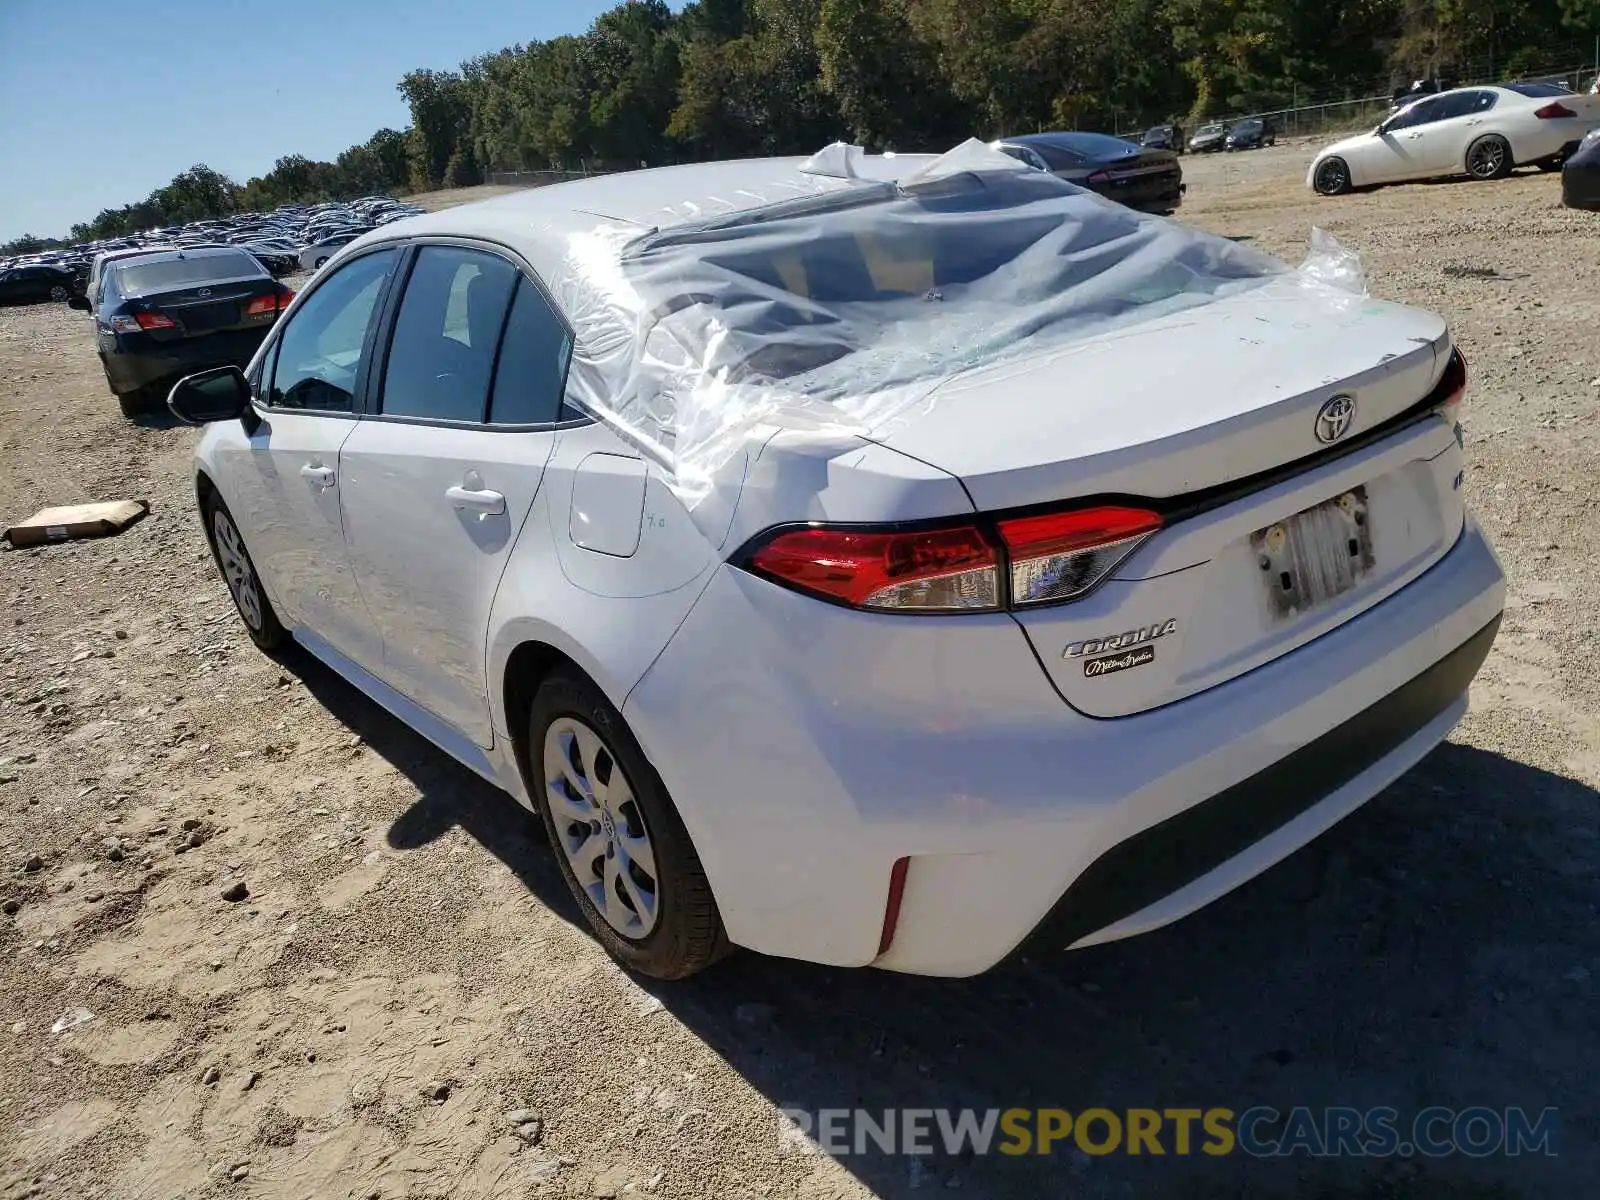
[[81, 303], [220, 394]]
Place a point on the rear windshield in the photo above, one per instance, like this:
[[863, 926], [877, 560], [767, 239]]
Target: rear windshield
[[875, 288], [139, 277], [1539, 90], [1211, 129]]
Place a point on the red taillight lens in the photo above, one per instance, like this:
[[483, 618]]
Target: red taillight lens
[[1099, 177], [263, 305], [928, 570], [1061, 555], [154, 320], [1452, 387], [1554, 109]]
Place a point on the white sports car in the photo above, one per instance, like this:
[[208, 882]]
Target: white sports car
[[1483, 132], [870, 560]]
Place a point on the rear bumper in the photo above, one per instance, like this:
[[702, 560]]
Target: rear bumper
[[1580, 186], [809, 748], [139, 360]]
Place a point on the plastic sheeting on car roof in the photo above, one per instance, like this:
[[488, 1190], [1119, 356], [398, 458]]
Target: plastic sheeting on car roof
[[843, 309]]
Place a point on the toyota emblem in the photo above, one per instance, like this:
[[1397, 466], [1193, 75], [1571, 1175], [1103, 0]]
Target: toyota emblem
[[1335, 416], [203, 292]]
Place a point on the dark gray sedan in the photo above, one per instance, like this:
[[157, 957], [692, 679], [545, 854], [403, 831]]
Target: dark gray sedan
[[1148, 180]]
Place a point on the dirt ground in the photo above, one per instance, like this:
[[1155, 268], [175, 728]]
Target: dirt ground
[[406, 974]]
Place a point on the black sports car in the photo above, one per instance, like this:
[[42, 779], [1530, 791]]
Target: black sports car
[[1163, 137], [1251, 134], [1580, 175], [1149, 180]]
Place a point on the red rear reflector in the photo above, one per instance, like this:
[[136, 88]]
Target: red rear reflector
[[1058, 556], [891, 910], [154, 320], [928, 570], [1554, 109]]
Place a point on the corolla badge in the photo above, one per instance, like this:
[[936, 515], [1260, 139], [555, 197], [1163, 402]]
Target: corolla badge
[[1334, 417]]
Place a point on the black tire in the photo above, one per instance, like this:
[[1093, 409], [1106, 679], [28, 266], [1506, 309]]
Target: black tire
[[1553, 163], [260, 621], [1489, 157], [1332, 177], [59, 293], [687, 935], [133, 404], [317, 266]]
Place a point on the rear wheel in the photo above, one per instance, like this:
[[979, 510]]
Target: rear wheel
[[317, 266], [1489, 157], [239, 573], [137, 403], [1332, 177], [58, 293], [621, 845]]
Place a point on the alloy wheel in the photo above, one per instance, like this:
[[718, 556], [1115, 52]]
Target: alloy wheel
[[58, 293], [1488, 156], [236, 569], [600, 827], [1332, 177]]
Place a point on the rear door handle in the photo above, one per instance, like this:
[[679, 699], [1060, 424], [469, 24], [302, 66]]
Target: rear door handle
[[491, 504], [321, 476]]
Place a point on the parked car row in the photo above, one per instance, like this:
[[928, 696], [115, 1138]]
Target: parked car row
[[1252, 133], [295, 237]]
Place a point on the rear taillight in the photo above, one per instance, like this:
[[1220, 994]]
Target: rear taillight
[[1099, 177], [1452, 387], [1554, 109], [1058, 556], [927, 570], [263, 306], [154, 320], [1018, 561]]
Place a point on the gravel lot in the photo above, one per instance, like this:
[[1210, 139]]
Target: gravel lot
[[405, 973]]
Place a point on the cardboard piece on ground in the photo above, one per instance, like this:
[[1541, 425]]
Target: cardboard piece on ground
[[72, 521]]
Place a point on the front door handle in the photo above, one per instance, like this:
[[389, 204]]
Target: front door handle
[[321, 476], [491, 504]]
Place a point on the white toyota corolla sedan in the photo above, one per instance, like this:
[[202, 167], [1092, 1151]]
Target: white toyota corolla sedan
[[1483, 132], [870, 560]]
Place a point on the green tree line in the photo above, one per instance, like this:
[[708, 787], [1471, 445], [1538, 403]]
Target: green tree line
[[726, 78]]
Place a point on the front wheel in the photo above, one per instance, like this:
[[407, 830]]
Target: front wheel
[[1489, 157], [621, 845], [1332, 177], [58, 293], [239, 573], [317, 266]]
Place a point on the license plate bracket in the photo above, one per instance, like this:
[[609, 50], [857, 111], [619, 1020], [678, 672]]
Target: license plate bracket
[[1315, 555]]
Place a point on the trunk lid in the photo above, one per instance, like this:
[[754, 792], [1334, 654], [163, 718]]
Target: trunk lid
[[208, 308], [1197, 401]]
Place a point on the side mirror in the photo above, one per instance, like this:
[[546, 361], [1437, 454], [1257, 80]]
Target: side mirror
[[81, 303], [220, 394]]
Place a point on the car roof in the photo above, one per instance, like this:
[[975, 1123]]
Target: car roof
[[1076, 141], [537, 222]]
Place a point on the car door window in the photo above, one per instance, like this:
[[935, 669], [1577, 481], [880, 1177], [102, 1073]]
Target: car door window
[[1462, 104], [532, 372], [449, 323], [320, 350], [1421, 113]]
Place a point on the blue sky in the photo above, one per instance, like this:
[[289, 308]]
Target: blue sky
[[101, 103]]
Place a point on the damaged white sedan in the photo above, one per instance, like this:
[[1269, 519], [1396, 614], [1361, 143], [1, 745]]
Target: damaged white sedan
[[870, 560]]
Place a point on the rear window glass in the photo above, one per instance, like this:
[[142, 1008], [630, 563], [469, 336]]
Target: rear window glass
[[1539, 89], [872, 289], [139, 277]]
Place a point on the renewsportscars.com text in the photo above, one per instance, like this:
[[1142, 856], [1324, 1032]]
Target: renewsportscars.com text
[[1261, 1131]]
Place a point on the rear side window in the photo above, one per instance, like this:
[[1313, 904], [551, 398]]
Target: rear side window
[[320, 351], [134, 278], [532, 373], [445, 335]]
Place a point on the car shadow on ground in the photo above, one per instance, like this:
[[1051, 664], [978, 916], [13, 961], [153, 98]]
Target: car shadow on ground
[[1434, 948]]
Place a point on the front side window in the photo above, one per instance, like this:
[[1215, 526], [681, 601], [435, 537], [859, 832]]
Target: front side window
[[442, 352], [319, 353], [1420, 113]]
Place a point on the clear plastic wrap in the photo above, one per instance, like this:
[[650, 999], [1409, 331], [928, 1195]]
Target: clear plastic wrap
[[842, 308]]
